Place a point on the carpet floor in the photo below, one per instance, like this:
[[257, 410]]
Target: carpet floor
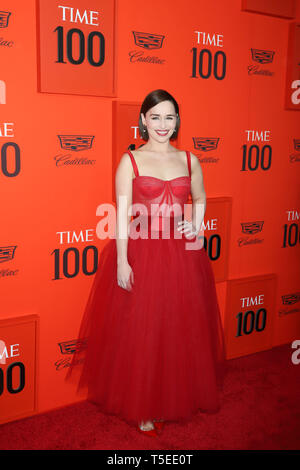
[[260, 411]]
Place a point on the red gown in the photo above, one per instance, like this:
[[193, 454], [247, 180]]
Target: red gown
[[157, 351]]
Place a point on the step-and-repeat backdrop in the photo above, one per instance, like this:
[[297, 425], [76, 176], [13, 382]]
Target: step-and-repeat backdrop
[[72, 80]]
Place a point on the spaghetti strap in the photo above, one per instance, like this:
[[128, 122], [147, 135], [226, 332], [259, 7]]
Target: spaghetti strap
[[188, 156], [135, 168]]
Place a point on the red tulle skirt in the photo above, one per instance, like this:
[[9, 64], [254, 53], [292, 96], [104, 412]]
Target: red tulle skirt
[[157, 351]]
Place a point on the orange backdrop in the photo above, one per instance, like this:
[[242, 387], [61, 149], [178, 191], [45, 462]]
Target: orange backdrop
[[71, 85]]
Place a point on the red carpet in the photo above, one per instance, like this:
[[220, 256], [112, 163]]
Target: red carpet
[[261, 410]]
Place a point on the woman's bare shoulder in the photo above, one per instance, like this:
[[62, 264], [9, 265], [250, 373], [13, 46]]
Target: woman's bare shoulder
[[194, 160], [125, 158], [125, 164]]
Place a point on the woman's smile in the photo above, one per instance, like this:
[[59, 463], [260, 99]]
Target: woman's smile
[[162, 132]]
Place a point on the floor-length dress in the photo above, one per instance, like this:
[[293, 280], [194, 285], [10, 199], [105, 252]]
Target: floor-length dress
[[157, 351]]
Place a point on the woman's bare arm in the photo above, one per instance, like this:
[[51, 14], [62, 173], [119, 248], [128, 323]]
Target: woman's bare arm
[[123, 185], [198, 193]]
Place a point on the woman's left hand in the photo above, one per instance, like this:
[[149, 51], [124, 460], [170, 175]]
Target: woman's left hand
[[187, 228]]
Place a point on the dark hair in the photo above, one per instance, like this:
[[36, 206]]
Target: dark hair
[[153, 98]]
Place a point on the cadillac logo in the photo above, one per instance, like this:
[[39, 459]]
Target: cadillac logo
[[262, 56], [7, 253], [297, 144], [4, 17], [290, 299], [252, 227], [69, 347], [148, 40], [206, 143], [76, 142]]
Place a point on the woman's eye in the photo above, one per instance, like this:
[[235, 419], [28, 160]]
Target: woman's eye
[[167, 118]]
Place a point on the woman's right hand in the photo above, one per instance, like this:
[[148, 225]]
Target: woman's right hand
[[125, 276]]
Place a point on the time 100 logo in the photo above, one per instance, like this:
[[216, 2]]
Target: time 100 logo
[[95, 41], [207, 63]]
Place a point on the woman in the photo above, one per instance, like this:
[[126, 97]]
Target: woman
[[155, 345]]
